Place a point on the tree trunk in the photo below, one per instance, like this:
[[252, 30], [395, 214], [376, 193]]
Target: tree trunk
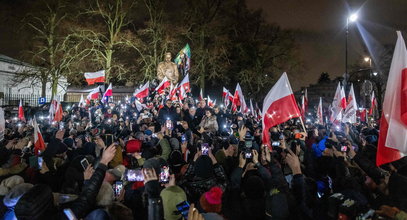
[[109, 54], [44, 87]]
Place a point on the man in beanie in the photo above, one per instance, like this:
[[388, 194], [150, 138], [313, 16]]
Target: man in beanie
[[203, 174], [38, 202]]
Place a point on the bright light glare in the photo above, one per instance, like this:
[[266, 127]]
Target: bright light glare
[[367, 59], [353, 17], [374, 73]]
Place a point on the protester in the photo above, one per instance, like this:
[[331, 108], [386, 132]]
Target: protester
[[120, 161]]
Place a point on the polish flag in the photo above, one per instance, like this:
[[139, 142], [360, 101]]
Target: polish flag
[[143, 91], [227, 97], [95, 77], [55, 111], [252, 109], [210, 102], [173, 93], [82, 102], [184, 88], [393, 125], [39, 144], [21, 111], [258, 113], [278, 107], [373, 104], [338, 104], [349, 115], [108, 91], [238, 100], [303, 106], [94, 93], [363, 115], [320, 117], [200, 98], [165, 83], [306, 100]]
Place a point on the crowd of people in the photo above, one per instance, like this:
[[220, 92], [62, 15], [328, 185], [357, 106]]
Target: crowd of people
[[191, 161]]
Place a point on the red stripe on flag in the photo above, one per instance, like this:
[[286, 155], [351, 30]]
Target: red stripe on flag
[[403, 101], [385, 154], [92, 81]]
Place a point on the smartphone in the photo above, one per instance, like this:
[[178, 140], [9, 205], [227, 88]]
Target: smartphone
[[133, 175], [40, 161], [69, 214], [275, 143], [108, 139], [183, 208], [84, 163], [154, 135], [61, 125], [204, 148], [248, 155], [249, 144], [117, 188], [165, 174], [168, 124], [183, 138], [344, 148]]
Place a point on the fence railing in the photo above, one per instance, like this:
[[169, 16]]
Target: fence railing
[[28, 99]]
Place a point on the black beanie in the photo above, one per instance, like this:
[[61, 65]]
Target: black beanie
[[253, 187], [203, 167], [34, 203]]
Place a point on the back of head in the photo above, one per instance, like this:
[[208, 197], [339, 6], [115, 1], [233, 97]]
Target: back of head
[[36, 203]]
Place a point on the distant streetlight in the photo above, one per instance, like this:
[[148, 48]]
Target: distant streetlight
[[367, 59], [374, 73], [352, 18]]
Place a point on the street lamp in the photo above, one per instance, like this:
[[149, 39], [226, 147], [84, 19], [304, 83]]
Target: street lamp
[[352, 18], [374, 73]]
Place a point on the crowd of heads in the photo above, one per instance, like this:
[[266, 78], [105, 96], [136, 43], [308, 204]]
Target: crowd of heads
[[163, 160]]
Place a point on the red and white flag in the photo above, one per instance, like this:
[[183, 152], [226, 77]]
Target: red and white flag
[[173, 92], [252, 109], [258, 113], [320, 116], [373, 104], [94, 77], [227, 97], [238, 100], [21, 111], [108, 92], [278, 107], [94, 93], [184, 88], [165, 83], [82, 102], [201, 97], [349, 115], [55, 111], [39, 144], [143, 91], [338, 104], [393, 125], [304, 104], [210, 102]]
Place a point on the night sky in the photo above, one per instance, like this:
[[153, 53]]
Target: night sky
[[321, 31]]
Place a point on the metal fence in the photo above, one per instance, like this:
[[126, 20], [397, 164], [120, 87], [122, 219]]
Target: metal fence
[[28, 100], [76, 97]]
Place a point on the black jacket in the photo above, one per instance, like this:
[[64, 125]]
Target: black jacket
[[166, 113]]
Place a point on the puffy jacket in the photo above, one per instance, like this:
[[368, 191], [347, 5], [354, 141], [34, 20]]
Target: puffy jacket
[[209, 124]]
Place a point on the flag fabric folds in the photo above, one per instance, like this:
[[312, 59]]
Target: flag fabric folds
[[183, 60], [373, 104], [320, 116], [21, 111], [165, 83], [95, 77], [55, 111], [349, 115], [143, 91], [338, 104], [108, 91], [393, 124], [278, 107], [39, 144], [94, 93]]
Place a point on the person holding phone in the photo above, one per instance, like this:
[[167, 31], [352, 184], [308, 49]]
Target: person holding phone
[[209, 123]]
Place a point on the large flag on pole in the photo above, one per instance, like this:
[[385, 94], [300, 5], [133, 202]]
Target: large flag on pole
[[143, 91], [165, 83], [94, 77], [373, 104], [39, 144], [278, 107], [238, 100], [21, 111], [183, 60], [349, 115], [55, 111], [393, 125], [201, 97], [320, 116], [252, 109], [184, 87], [94, 93]]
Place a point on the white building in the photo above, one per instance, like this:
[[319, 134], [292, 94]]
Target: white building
[[29, 90]]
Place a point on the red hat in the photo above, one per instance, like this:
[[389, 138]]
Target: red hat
[[211, 201], [133, 146]]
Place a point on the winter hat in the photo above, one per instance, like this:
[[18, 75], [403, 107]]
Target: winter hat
[[174, 144], [68, 142], [155, 163], [133, 146], [12, 197], [106, 195], [9, 183], [253, 187], [204, 167], [34, 203], [211, 201], [171, 196]]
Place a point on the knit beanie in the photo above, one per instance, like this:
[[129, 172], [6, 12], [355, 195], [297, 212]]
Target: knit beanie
[[9, 183], [204, 167], [171, 196], [34, 203], [12, 197], [253, 187], [211, 201]]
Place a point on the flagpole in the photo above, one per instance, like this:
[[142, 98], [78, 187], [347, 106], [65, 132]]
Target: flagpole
[[303, 126]]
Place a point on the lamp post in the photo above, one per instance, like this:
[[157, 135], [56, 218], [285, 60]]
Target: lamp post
[[350, 19]]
